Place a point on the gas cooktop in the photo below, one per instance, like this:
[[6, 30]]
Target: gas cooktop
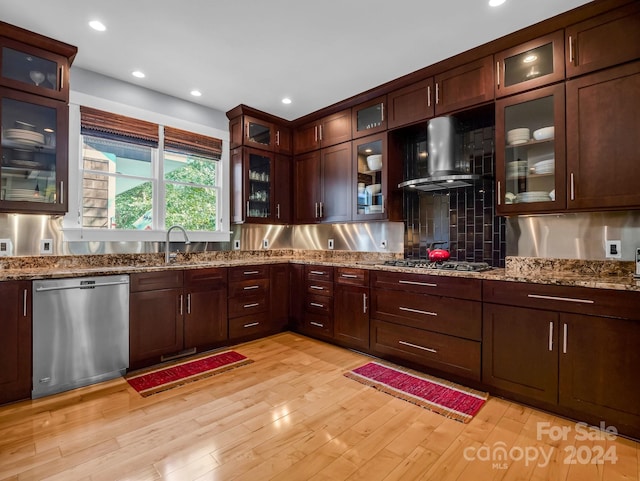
[[445, 265]]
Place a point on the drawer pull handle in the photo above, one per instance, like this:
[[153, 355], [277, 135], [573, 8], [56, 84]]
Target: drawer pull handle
[[251, 324], [565, 299], [564, 340], [317, 288], [364, 303], [24, 303], [404, 343], [318, 273], [249, 288], [414, 283], [253, 304], [317, 324], [250, 273], [315, 304], [349, 276], [551, 335], [418, 311]]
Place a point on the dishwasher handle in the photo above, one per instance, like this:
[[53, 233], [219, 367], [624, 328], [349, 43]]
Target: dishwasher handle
[[82, 286]]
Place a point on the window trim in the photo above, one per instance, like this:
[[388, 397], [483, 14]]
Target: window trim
[[71, 222]]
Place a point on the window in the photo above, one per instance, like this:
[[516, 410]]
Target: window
[[142, 176]]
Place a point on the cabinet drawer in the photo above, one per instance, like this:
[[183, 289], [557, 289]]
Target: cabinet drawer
[[248, 272], [442, 352], [320, 288], [249, 287], [457, 317], [580, 300], [318, 304], [248, 325], [352, 277], [318, 324], [449, 286], [319, 273], [151, 281], [247, 305], [213, 278]]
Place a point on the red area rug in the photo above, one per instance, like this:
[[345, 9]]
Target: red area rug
[[440, 396], [151, 382]]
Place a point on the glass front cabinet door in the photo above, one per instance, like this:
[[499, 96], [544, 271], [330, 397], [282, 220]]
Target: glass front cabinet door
[[370, 167], [34, 150], [369, 118], [258, 182], [33, 70], [531, 65], [530, 152]]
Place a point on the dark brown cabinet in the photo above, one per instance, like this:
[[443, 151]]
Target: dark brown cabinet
[[464, 86], [411, 104], [279, 296], [370, 180], [248, 302], [603, 41], [330, 130], [322, 189], [175, 311], [351, 308], [318, 302], [250, 131], [369, 118], [602, 149], [15, 342], [296, 300], [531, 65]]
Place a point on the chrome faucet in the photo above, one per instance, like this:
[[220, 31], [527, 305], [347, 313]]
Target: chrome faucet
[[167, 256]]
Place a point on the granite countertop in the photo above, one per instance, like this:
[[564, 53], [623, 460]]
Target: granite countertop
[[566, 272]]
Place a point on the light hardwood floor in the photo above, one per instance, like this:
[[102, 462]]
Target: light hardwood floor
[[291, 415]]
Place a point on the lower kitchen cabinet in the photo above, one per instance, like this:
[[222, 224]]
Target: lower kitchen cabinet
[[318, 302], [351, 308], [564, 353], [205, 320], [296, 300], [15, 341], [279, 294], [249, 302]]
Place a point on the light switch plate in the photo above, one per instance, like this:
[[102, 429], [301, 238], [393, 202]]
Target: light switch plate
[[236, 244], [46, 246], [330, 244], [265, 243], [6, 247], [383, 244], [613, 249]]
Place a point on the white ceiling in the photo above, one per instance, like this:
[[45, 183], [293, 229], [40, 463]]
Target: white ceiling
[[257, 52]]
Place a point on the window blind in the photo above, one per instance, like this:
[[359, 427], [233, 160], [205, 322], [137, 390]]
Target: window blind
[[113, 126], [184, 142]]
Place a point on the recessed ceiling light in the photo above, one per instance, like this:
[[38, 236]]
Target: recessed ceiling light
[[196, 93], [97, 25], [496, 3], [138, 74], [286, 100]]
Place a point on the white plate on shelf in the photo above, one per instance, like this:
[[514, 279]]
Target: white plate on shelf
[[24, 136]]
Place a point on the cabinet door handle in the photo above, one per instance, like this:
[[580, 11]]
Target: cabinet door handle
[[315, 133], [571, 56], [418, 311], [251, 324], [316, 210], [437, 93], [247, 213], [181, 302], [316, 304], [565, 299], [573, 187], [249, 288], [188, 303], [317, 288], [404, 343], [246, 130], [317, 324], [251, 273], [61, 79], [382, 113], [415, 283], [321, 209], [348, 276], [24, 303], [364, 303], [551, 335], [565, 330], [320, 132], [428, 95], [62, 191], [499, 194], [253, 304], [498, 74], [278, 138], [317, 273], [277, 211]]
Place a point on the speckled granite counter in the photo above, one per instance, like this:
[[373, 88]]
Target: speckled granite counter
[[568, 272]]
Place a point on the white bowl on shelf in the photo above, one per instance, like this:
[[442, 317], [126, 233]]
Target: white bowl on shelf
[[373, 189], [518, 136], [374, 162], [544, 133]]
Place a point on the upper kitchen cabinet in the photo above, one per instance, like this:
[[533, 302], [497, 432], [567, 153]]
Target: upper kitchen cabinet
[[464, 86], [411, 104], [603, 41], [327, 131], [370, 177], [530, 65], [249, 131], [34, 150], [530, 151], [369, 118], [602, 142]]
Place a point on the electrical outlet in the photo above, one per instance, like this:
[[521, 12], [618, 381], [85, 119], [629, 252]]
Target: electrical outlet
[[383, 244], [265, 243], [330, 244], [46, 246], [613, 249], [6, 247], [236, 244]]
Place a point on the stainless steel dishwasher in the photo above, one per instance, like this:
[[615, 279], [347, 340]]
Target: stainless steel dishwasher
[[80, 332]]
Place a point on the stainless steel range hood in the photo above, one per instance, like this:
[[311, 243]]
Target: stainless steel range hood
[[442, 170]]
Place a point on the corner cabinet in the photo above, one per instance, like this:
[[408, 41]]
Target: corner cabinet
[[34, 93], [260, 134]]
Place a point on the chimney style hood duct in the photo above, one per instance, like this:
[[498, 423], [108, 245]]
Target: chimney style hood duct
[[442, 171]]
